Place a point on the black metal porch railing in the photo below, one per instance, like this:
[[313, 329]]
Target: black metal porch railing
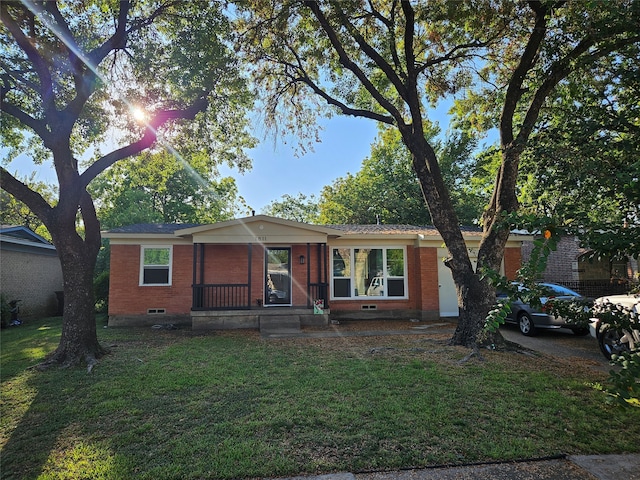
[[598, 288], [318, 291], [230, 296], [234, 296]]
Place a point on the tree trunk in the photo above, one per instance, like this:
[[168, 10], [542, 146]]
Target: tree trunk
[[79, 341], [475, 298]]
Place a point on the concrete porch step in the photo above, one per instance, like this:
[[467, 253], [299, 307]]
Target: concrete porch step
[[283, 323]]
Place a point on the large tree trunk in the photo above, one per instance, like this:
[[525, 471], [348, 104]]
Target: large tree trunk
[[475, 296], [79, 341], [78, 254]]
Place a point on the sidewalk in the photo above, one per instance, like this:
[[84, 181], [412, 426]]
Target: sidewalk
[[573, 467]]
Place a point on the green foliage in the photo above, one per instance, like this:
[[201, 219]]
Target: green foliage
[[624, 388], [623, 385], [14, 212], [582, 166], [158, 188], [5, 311], [525, 286], [385, 188], [101, 278], [299, 208], [101, 291]]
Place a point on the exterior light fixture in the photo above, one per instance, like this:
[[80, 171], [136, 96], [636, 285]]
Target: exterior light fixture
[[301, 259]]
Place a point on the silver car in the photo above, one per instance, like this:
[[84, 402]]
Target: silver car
[[530, 319], [615, 340]]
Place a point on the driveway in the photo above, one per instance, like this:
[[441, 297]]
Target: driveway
[[560, 343]]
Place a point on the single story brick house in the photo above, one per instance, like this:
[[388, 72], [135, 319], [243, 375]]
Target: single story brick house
[[242, 273]]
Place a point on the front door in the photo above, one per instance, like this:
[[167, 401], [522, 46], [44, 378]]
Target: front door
[[277, 289]]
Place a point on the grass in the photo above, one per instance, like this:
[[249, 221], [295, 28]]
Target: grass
[[173, 404]]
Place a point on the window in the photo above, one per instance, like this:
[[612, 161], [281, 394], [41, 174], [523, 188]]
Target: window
[[341, 272], [155, 266], [368, 272]]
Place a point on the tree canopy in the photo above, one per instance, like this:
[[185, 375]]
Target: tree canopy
[[583, 166], [73, 76], [392, 61], [158, 188], [386, 190]]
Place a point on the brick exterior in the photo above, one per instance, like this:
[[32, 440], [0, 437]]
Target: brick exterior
[[569, 263], [427, 277], [32, 278], [127, 297], [228, 263]]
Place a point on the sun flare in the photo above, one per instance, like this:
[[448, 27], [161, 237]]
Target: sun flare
[[138, 114]]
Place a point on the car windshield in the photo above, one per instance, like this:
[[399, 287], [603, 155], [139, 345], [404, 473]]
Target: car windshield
[[559, 290]]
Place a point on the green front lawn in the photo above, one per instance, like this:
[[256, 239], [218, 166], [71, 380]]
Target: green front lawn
[[173, 404]]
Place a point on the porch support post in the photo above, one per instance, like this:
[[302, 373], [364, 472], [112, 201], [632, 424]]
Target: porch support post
[[309, 299], [195, 278], [249, 255], [195, 263], [202, 263], [325, 249]]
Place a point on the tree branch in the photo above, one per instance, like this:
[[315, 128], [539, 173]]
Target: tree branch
[[345, 109], [514, 89], [36, 203], [147, 140], [38, 126], [305, 78], [350, 65], [41, 67], [373, 54], [117, 40]]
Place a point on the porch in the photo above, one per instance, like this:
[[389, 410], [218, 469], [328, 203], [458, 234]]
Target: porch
[[258, 318], [264, 286]]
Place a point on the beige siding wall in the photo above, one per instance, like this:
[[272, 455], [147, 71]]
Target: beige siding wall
[[32, 278]]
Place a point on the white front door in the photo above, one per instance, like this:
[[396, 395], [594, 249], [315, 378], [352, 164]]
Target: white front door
[[447, 295], [446, 288]]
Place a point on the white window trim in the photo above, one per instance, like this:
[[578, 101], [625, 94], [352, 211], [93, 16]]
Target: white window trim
[[141, 273], [366, 298]]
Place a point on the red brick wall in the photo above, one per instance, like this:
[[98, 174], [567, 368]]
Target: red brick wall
[[127, 297], [428, 274], [229, 264], [422, 279]]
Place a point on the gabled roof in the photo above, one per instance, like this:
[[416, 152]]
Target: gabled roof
[[266, 229], [21, 238], [258, 219], [151, 228]]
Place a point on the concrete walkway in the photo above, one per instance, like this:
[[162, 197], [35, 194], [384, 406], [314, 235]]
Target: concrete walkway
[[573, 467]]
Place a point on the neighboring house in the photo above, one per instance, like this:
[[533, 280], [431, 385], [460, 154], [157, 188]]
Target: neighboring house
[[29, 271], [574, 266], [241, 273]]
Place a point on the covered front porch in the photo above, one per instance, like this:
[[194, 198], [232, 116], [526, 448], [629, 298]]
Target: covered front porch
[[258, 274]]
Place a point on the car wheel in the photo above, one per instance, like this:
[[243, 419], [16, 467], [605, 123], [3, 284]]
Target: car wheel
[[525, 322], [581, 331], [609, 342]]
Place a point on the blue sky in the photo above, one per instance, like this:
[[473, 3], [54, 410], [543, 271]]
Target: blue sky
[[345, 143], [277, 171]]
